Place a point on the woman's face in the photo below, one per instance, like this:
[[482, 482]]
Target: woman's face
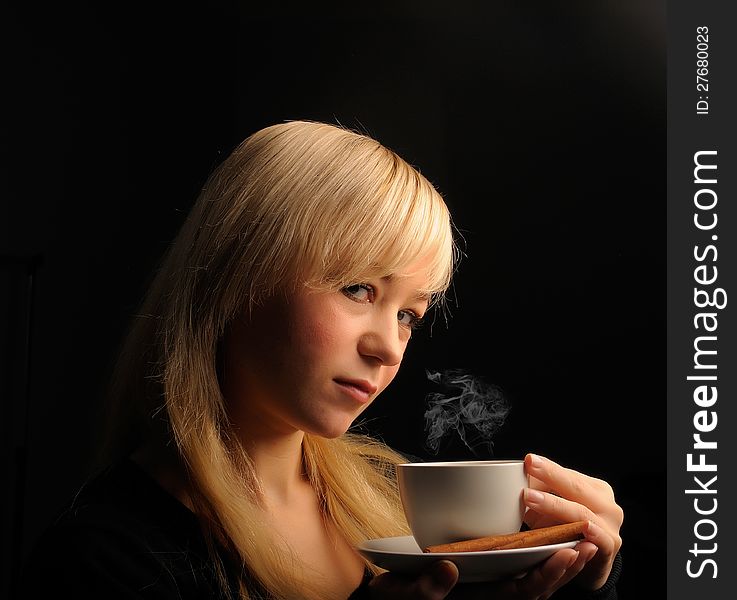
[[313, 361]]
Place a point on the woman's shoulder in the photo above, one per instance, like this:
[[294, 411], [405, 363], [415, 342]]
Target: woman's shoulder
[[121, 536], [122, 498]]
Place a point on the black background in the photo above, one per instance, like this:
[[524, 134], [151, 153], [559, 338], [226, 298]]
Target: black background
[[543, 125]]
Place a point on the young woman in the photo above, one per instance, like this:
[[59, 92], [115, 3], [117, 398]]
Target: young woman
[[282, 309]]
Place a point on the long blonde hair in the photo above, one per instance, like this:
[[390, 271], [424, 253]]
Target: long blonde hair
[[298, 203]]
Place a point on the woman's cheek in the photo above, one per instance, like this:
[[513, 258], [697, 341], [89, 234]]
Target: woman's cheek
[[318, 335]]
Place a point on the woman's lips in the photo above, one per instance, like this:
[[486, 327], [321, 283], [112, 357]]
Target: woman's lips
[[359, 389]]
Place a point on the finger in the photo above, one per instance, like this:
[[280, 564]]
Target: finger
[[392, 586], [593, 492], [542, 579], [535, 520], [586, 552], [545, 508], [538, 484], [438, 580], [607, 543], [433, 584], [555, 509]]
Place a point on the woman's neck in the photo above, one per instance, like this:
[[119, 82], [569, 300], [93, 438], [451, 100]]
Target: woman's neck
[[277, 460], [276, 457]]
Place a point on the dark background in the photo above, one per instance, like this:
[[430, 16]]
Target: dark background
[[542, 123]]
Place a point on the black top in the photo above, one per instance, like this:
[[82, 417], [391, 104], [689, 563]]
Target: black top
[[125, 537]]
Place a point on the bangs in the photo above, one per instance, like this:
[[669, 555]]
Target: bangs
[[312, 204], [384, 229]]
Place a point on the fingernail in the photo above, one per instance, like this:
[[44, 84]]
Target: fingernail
[[592, 529], [573, 560], [589, 553], [536, 461], [533, 496]]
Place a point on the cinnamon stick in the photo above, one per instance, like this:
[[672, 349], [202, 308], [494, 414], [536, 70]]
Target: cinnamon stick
[[543, 536]]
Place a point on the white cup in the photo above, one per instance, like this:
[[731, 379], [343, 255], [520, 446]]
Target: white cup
[[450, 501]]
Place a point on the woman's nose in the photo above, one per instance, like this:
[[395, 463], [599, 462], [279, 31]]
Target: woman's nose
[[383, 341]]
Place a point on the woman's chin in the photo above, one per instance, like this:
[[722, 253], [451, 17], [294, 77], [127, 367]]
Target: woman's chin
[[331, 429]]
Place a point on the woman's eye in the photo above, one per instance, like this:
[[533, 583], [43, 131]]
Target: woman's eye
[[360, 292], [409, 319]]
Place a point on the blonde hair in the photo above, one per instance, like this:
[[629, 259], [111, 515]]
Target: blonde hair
[[298, 203]]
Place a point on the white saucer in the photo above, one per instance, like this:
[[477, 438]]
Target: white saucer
[[403, 555]]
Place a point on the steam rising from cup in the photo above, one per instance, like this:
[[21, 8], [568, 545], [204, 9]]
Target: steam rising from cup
[[468, 406]]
